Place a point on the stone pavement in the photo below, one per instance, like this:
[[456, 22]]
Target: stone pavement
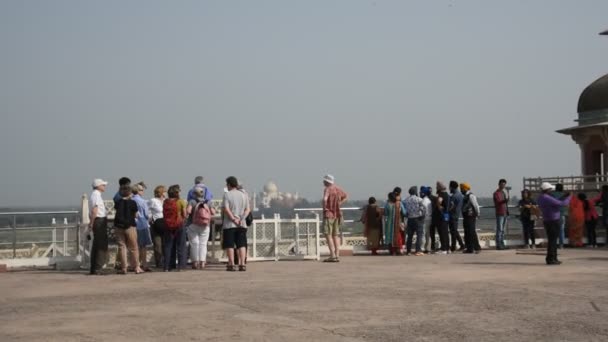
[[494, 296]]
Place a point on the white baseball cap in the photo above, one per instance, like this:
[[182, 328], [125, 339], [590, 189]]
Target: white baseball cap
[[99, 182], [547, 186], [329, 179]]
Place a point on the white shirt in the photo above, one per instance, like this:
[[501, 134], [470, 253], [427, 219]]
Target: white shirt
[[426, 202], [156, 208], [96, 201]]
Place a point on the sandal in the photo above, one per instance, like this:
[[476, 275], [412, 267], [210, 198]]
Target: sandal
[[230, 268], [121, 272], [242, 268], [330, 259]]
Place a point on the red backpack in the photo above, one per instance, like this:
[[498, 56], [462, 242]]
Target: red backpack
[[171, 214], [202, 215]]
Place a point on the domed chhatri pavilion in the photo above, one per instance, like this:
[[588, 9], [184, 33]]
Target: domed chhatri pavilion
[[591, 133]]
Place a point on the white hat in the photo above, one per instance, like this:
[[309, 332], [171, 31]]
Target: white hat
[[546, 186], [99, 182], [329, 179]]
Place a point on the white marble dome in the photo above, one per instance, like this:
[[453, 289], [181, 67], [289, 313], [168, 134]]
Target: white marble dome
[[271, 188]]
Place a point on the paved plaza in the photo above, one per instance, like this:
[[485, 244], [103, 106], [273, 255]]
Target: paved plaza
[[494, 296]]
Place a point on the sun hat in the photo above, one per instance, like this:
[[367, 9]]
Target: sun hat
[[99, 182], [329, 179], [546, 186]]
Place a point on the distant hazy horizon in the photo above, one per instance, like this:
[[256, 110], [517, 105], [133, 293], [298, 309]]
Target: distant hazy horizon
[[377, 93]]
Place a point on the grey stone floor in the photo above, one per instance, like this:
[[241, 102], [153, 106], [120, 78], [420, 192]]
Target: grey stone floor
[[494, 296]]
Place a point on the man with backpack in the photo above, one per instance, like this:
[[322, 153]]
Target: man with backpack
[[470, 213], [235, 207], [126, 231]]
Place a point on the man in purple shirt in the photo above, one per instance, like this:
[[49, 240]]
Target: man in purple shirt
[[550, 208]]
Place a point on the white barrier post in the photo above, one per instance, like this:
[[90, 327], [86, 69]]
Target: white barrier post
[[317, 237]]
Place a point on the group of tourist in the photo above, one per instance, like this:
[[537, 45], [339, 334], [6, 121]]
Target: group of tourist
[[405, 225], [424, 215], [169, 224]]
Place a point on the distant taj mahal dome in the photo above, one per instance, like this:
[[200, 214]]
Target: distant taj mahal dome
[[271, 193]]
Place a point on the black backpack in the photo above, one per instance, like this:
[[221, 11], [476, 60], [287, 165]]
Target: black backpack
[[121, 218]]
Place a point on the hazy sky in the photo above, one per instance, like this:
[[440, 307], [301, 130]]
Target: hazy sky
[[378, 93]]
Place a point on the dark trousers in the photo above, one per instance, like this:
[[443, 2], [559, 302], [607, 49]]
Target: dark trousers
[[528, 228], [552, 229], [444, 235], [591, 233], [158, 232], [99, 249], [174, 245], [455, 234], [434, 228], [470, 234], [415, 226]]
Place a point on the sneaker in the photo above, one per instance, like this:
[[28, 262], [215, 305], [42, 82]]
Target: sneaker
[[442, 253], [408, 254], [419, 254]]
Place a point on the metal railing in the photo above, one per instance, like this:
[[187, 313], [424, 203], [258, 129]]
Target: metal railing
[[277, 239], [28, 232], [586, 183]]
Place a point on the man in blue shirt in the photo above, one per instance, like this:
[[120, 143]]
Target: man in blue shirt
[[456, 198], [198, 183]]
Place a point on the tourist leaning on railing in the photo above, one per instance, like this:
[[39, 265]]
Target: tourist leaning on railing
[[98, 224]]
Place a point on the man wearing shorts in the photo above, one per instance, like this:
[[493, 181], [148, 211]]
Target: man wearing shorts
[[333, 198], [236, 208]]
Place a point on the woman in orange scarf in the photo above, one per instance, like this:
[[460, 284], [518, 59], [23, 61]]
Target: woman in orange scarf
[[576, 222]]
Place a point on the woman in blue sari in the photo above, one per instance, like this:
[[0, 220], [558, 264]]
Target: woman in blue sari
[[393, 224]]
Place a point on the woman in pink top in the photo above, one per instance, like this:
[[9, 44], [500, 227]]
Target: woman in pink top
[[591, 217]]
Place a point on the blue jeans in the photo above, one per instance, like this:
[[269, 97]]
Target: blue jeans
[[174, 245], [500, 231], [562, 230]]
